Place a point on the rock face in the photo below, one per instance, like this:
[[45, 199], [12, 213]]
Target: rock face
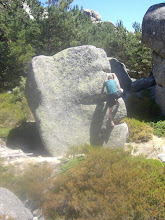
[[117, 136], [93, 15], [153, 26], [66, 95], [153, 35], [120, 70], [142, 83], [159, 69], [160, 97], [11, 206]]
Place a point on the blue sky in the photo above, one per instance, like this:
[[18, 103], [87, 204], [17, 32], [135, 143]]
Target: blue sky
[[127, 11]]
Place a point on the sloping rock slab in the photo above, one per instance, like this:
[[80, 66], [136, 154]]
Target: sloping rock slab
[[11, 206], [63, 92]]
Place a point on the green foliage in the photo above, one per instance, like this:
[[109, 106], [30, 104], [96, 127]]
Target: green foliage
[[109, 184], [11, 115], [159, 128], [67, 164], [138, 131], [33, 182], [19, 91], [29, 184], [79, 150], [56, 27], [143, 107]]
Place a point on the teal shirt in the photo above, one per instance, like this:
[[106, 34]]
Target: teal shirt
[[111, 86]]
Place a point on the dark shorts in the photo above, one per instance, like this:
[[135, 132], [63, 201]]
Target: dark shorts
[[111, 98]]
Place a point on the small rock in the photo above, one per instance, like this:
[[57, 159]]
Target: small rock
[[163, 148], [162, 157]]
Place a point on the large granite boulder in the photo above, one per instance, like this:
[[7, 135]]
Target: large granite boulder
[[121, 72], [11, 206], [153, 28], [159, 69], [117, 137], [65, 93], [153, 35], [160, 97]]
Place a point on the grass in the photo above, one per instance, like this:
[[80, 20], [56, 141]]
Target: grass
[[12, 114], [159, 128]]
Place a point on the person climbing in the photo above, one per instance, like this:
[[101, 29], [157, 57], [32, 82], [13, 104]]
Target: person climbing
[[113, 93]]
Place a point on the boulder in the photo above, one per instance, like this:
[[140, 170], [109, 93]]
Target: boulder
[[64, 93], [153, 28], [142, 83], [100, 129], [162, 157], [121, 72], [11, 206], [117, 136], [159, 69], [159, 97], [93, 15]]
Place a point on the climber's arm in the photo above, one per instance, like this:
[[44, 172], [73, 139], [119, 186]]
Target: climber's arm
[[106, 78]]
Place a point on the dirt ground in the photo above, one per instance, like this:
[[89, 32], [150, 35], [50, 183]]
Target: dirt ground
[[150, 149], [20, 159]]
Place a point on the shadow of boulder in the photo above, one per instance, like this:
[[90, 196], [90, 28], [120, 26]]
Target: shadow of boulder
[[26, 137]]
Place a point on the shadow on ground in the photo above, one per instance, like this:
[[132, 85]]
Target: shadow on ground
[[26, 137]]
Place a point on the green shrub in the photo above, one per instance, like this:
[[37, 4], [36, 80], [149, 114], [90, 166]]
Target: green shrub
[[108, 184], [138, 131], [11, 115], [159, 128], [143, 108], [67, 164], [19, 91], [19, 98], [80, 149], [29, 184]]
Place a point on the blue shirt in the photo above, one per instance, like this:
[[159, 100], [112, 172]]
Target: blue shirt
[[111, 86]]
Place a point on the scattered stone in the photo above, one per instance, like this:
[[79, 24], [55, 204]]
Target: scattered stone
[[163, 148], [162, 157], [11, 206]]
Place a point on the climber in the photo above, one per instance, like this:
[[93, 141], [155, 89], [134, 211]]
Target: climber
[[113, 93]]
